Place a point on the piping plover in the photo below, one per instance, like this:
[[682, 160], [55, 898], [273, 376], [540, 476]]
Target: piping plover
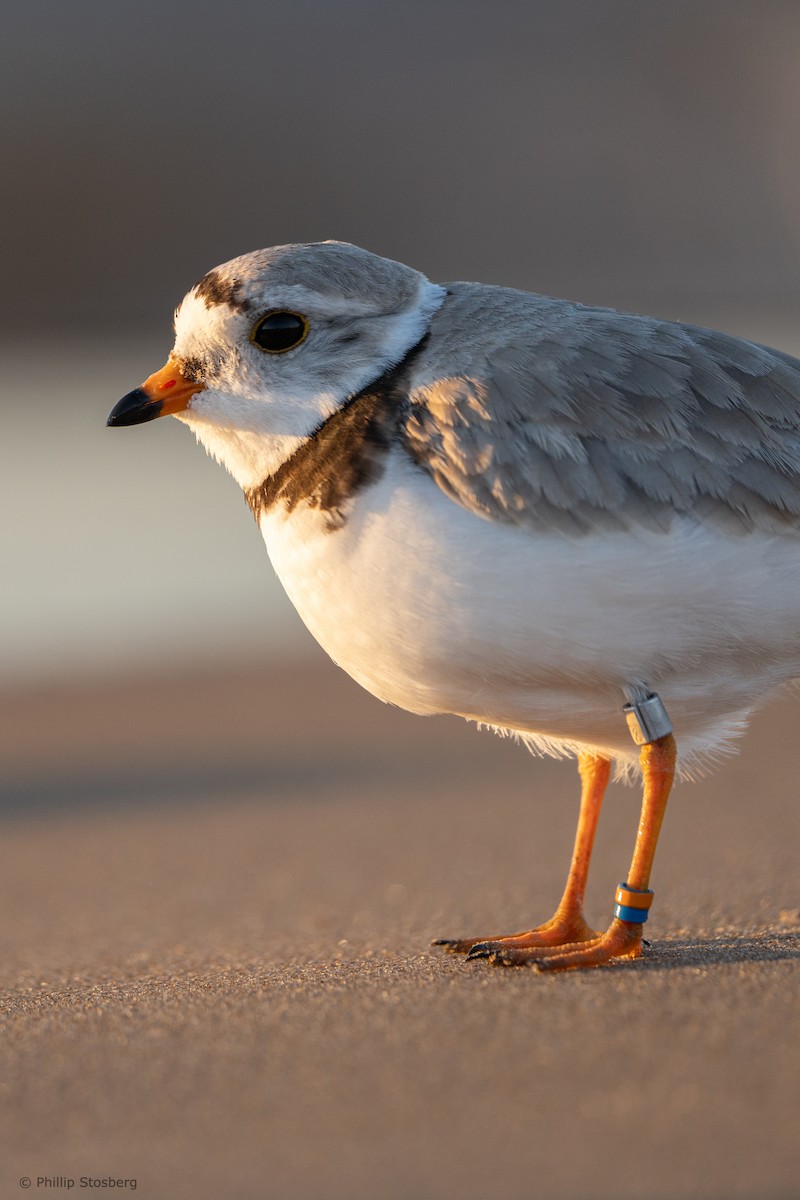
[[574, 524]]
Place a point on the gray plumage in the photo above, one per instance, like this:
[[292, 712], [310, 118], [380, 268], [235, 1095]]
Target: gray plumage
[[555, 416]]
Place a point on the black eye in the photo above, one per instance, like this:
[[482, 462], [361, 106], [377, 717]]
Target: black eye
[[279, 331]]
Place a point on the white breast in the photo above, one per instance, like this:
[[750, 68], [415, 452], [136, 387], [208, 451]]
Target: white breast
[[437, 610]]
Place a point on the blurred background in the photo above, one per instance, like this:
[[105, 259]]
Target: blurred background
[[221, 863], [634, 154]]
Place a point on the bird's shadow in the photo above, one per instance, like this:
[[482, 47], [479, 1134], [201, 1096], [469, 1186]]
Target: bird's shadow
[[769, 946]]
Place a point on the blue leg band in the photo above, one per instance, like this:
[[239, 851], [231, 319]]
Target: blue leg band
[[632, 904], [636, 915]]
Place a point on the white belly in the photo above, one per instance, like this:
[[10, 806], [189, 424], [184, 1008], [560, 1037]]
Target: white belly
[[437, 610]]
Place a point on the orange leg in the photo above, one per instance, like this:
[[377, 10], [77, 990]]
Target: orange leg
[[568, 924], [622, 939]]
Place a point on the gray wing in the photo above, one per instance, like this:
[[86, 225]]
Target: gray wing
[[563, 417]]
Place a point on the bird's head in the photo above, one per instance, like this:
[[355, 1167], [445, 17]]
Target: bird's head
[[269, 345]]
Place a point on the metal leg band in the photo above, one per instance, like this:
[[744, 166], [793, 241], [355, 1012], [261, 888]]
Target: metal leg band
[[647, 719], [632, 904]]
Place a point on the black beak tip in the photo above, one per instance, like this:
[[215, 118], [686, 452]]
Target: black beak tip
[[134, 409]]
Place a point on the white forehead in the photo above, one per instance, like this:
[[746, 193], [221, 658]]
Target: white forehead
[[323, 279]]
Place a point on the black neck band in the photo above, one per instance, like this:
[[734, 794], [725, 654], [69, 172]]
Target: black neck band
[[345, 451]]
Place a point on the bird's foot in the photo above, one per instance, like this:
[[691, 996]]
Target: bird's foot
[[565, 928], [622, 939]]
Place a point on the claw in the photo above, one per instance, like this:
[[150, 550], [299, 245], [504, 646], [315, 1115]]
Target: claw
[[455, 945], [481, 950]]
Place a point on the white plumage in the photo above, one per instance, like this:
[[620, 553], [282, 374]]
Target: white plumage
[[545, 636]]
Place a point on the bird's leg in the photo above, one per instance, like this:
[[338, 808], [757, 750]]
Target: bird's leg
[[623, 938], [567, 925]]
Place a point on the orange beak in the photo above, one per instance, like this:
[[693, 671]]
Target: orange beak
[[168, 391]]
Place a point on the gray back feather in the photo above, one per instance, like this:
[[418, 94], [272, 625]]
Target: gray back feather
[[554, 416]]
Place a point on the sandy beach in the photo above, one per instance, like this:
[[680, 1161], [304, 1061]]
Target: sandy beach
[[218, 895]]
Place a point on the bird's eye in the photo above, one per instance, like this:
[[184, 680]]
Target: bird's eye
[[279, 331]]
